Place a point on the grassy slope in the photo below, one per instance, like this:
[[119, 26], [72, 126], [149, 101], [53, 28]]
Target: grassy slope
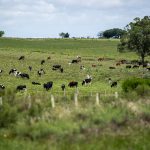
[[112, 125]]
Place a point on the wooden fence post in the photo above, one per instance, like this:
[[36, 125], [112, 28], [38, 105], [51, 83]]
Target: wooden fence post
[[97, 99], [29, 100], [116, 95], [52, 101], [64, 92], [1, 101], [76, 99]]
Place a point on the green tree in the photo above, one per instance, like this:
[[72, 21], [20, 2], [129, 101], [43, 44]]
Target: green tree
[[64, 35], [137, 37], [115, 32], [2, 33]]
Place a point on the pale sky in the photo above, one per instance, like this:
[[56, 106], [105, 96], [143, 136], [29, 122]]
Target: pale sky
[[47, 18]]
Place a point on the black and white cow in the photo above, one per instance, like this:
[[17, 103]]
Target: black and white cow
[[21, 87], [41, 72], [73, 84], [2, 87], [48, 85], [24, 75], [87, 81]]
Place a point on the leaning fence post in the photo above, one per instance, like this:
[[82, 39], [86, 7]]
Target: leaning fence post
[[64, 92], [97, 99], [52, 101], [1, 101], [76, 99], [29, 100], [116, 95]]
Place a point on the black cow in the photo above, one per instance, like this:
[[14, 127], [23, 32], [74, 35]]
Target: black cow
[[73, 84], [114, 84], [148, 69], [56, 67], [2, 87], [24, 75], [112, 68], [128, 66], [22, 58], [30, 68], [48, 85], [86, 81], [74, 61], [61, 70], [42, 62], [63, 87], [21, 87], [1, 71], [36, 83], [136, 66]]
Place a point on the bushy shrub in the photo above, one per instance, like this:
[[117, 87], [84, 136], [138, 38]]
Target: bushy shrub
[[8, 115], [139, 85]]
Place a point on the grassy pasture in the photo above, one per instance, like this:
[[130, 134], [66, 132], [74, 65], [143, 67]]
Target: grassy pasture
[[116, 124], [62, 51]]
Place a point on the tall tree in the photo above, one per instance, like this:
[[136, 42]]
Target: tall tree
[[115, 32], [137, 37], [2, 33], [64, 35]]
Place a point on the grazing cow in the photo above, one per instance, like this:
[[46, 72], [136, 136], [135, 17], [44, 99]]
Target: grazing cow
[[36, 83], [112, 68], [73, 84], [148, 69], [12, 71], [56, 67], [118, 63], [48, 85], [100, 59], [82, 67], [114, 84], [74, 61], [42, 62], [63, 87], [128, 66], [2, 87], [136, 66], [21, 87], [93, 65], [86, 81], [123, 61], [30, 68], [40, 72], [61, 70], [78, 58], [21, 57], [24, 75], [48, 57]]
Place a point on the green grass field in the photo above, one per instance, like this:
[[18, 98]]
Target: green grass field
[[27, 120]]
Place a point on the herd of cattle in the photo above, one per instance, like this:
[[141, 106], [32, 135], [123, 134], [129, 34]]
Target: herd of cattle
[[87, 80]]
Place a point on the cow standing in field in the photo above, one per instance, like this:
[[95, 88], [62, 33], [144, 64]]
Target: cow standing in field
[[2, 87], [24, 75], [36, 83], [21, 87], [73, 84], [42, 62], [41, 72], [1, 71], [21, 57], [48, 85], [87, 81], [63, 87], [30, 68]]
